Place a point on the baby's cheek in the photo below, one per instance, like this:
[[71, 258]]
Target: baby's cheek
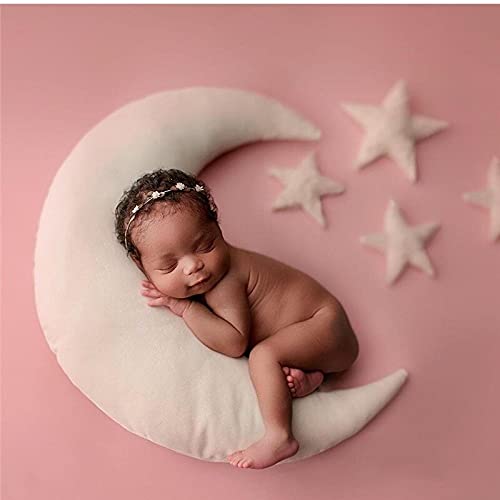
[[164, 286], [221, 262]]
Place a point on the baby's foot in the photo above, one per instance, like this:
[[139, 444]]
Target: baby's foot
[[300, 383], [268, 451]]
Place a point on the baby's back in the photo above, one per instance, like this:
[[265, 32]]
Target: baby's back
[[278, 294]]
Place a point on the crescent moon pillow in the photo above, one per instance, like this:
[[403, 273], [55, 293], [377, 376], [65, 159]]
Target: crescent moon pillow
[[142, 366]]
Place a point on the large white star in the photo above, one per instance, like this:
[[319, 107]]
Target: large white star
[[490, 198], [391, 130], [401, 243], [304, 187]]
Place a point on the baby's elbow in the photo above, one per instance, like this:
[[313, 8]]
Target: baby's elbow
[[240, 346], [236, 355]]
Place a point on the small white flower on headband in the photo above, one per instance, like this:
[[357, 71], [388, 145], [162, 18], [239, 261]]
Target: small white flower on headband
[[158, 194]]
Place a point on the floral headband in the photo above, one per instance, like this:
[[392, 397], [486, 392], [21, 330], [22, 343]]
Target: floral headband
[[154, 196]]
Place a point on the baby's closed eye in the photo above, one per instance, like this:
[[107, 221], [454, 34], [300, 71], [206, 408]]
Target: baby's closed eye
[[169, 267], [206, 246]]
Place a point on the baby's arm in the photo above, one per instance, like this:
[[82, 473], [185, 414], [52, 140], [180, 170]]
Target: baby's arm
[[227, 328]]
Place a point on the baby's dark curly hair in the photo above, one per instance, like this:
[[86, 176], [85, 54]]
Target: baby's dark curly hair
[[199, 202]]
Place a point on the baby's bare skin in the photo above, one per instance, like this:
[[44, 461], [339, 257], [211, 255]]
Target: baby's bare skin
[[297, 326], [278, 294], [280, 298], [268, 282]]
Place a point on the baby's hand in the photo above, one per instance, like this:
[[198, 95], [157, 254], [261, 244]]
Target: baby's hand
[[177, 306]]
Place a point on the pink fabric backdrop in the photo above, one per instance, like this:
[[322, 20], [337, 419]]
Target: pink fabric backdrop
[[65, 68]]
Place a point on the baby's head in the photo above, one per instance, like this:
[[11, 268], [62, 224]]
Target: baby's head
[[174, 237]]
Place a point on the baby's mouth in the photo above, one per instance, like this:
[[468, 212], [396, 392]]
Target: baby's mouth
[[200, 282]]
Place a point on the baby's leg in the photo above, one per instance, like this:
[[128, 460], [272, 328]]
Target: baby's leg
[[323, 342], [275, 401]]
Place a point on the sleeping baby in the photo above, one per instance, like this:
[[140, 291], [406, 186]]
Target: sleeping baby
[[235, 301]]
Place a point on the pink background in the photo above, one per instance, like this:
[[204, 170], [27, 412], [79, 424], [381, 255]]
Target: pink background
[[65, 68]]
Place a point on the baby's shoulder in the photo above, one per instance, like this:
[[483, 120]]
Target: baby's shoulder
[[241, 265]]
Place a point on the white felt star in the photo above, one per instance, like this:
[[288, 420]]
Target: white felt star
[[391, 130], [490, 198], [304, 187], [401, 243]]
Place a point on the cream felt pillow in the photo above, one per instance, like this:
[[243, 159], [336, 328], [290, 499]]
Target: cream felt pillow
[[142, 366]]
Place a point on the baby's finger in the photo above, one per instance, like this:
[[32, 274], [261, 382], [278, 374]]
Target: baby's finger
[[147, 284], [156, 302], [155, 294], [150, 286]]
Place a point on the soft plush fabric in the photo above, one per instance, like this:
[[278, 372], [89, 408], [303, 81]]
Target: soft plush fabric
[[490, 198], [304, 187], [136, 363], [402, 244], [391, 130]]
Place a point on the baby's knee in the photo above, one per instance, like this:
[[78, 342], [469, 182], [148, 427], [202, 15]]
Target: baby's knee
[[346, 341], [354, 348]]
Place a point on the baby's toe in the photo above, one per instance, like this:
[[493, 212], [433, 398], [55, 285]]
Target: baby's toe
[[286, 370], [233, 457]]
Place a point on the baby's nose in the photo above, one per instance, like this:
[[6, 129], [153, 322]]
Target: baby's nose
[[193, 265]]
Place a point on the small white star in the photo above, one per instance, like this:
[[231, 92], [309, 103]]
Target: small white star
[[490, 198], [401, 243], [391, 130], [304, 187]]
